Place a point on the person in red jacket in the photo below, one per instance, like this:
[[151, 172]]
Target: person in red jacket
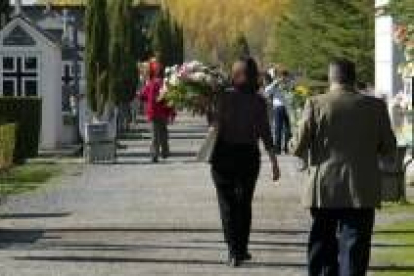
[[158, 113]]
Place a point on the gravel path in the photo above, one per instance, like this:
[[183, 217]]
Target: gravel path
[[136, 218]]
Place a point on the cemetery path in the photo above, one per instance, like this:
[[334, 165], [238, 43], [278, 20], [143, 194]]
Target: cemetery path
[[136, 218]]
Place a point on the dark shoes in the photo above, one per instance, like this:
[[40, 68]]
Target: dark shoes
[[165, 155], [246, 257], [236, 261]]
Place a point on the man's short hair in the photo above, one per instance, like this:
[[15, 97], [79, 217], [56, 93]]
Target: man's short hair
[[342, 71]]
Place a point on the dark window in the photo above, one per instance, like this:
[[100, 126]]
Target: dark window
[[21, 78], [30, 88], [8, 88], [79, 69], [30, 63], [8, 63]]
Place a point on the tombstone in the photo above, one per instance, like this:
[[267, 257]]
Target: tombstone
[[30, 65]]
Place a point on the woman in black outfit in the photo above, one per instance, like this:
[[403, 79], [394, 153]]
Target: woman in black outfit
[[242, 121]]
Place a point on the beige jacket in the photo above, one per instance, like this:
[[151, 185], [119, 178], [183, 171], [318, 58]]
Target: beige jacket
[[343, 133]]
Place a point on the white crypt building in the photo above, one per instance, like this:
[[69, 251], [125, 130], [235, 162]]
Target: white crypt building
[[30, 63], [42, 54]]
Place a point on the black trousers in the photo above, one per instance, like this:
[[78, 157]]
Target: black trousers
[[340, 242], [235, 171], [159, 138], [283, 130]]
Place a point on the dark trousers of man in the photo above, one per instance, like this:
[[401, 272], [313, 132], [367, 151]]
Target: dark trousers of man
[[340, 242], [235, 172], [282, 129], [159, 138]]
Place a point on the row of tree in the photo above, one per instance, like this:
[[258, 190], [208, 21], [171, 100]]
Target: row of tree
[[300, 34], [112, 50], [213, 27]]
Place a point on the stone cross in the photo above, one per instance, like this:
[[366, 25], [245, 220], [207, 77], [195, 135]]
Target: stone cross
[[65, 19], [67, 77], [17, 7]]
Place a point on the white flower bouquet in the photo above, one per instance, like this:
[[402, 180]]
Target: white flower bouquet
[[192, 86]]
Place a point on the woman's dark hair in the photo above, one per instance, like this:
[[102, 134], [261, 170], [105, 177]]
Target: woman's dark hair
[[252, 74]]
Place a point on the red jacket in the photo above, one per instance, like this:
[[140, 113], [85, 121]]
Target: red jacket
[[155, 109]]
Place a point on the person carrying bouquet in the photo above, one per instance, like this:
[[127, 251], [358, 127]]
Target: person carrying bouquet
[[158, 113]]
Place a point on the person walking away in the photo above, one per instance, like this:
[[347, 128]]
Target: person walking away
[[242, 121], [281, 122], [344, 132], [158, 113]]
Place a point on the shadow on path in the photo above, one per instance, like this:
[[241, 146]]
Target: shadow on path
[[90, 259], [33, 215]]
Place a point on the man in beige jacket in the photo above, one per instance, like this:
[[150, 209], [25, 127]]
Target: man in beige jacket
[[343, 132]]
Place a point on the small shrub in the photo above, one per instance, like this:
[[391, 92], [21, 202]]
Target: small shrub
[[7, 145], [26, 114]]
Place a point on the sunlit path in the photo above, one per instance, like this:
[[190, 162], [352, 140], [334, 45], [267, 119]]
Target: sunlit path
[[136, 218]]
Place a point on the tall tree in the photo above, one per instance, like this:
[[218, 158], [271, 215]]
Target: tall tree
[[168, 39], [5, 10], [403, 11], [236, 48], [122, 63], [97, 37], [241, 46], [314, 31], [211, 25]]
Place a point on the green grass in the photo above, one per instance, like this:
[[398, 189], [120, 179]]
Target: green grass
[[400, 238], [397, 208], [26, 178]]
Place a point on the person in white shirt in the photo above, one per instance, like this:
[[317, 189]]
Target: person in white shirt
[[281, 121]]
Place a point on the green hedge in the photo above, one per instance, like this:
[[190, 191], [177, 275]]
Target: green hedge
[[7, 145], [26, 114]]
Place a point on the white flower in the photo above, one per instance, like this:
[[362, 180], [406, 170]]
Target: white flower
[[193, 66], [209, 79], [198, 77], [174, 80], [168, 70]]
